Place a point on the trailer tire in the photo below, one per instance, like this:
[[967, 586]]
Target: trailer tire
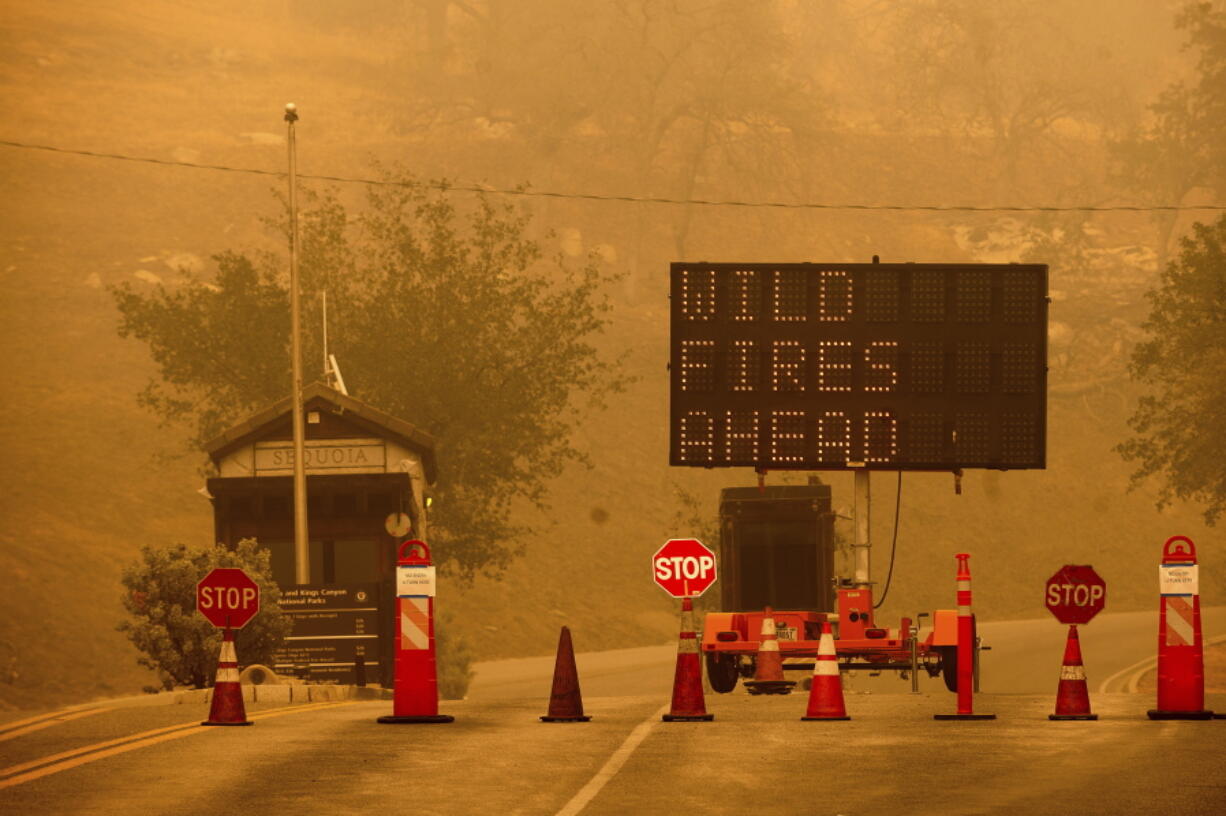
[[721, 672], [949, 666]]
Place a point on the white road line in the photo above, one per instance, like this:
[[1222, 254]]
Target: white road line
[[1140, 667], [614, 763]]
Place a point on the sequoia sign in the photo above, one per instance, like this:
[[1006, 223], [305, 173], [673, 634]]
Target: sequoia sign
[[321, 455]]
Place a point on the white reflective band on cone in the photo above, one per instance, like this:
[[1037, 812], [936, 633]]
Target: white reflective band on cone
[[769, 646], [687, 646], [1072, 672], [963, 611], [825, 646], [768, 626], [227, 675], [687, 621], [964, 585], [227, 652], [827, 668]]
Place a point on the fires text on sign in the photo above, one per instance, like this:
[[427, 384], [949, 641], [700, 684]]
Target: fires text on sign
[[892, 366]]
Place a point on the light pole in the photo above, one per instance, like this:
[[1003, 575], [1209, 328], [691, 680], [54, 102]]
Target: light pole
[[302, 551]]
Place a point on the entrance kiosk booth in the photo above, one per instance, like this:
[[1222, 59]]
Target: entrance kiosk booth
[[368, 475]]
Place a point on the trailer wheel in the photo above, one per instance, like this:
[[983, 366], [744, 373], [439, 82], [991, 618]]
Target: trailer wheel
[[949, 666], [721, 672]]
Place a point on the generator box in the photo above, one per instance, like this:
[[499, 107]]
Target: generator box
[[776, 548]]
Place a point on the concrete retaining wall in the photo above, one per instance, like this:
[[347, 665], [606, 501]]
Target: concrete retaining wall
[[290, 694]]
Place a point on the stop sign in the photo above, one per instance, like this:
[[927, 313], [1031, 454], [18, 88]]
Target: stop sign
[[227, 597], [684, 567], [1076, 593]]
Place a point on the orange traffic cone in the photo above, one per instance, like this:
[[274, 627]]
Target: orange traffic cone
[[565, 701], [227, 705], [826, 693], [688, 703], [768, 674], [1072, 697]]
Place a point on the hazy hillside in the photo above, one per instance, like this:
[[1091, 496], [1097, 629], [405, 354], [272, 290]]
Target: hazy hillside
[[84, 486]]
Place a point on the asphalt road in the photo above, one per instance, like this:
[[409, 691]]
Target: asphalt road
[[1024, 658], [757, 756]]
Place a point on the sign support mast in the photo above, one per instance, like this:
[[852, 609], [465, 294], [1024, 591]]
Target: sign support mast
[[861, 512], [302, 552]]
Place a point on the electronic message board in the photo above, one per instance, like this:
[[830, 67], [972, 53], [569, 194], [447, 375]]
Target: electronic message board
[[826, 366]]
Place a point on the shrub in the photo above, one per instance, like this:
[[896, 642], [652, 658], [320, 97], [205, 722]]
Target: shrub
[[177, 642], [454, 655]]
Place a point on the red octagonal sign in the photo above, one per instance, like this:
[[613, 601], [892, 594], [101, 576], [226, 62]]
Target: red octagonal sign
[[1076, 593], [228, 597], [684, 567]]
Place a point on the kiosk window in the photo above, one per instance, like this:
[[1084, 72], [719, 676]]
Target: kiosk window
[[282, 558]]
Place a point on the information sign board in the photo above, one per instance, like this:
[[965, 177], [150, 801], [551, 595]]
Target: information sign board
[[1178, 579], [333, 625], [829, 366], [415, 581]]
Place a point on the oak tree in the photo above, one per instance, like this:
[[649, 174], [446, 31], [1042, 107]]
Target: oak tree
[[1180, 424], [442, 310]]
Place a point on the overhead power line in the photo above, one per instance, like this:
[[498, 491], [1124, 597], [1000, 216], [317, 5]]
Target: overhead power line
[[527, 193]]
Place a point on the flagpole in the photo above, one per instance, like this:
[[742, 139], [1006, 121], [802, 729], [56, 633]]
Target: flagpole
[[302, 551]]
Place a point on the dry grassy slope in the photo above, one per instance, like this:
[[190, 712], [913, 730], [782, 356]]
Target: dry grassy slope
[[81, 490]]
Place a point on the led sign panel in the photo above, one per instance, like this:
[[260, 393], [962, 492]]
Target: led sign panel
[[882, 366]]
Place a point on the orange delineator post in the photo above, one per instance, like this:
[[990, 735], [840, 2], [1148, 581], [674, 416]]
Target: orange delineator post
[[1181, 655], [415, 693], [688, 702], [966, 648]]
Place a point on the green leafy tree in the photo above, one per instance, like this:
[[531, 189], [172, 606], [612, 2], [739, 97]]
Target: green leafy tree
[[1180, 424], [175, 640], [1181, 147], [445, 314], [694, 517], [455, 657]]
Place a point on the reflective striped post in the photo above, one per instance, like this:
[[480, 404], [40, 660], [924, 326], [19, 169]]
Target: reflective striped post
[[1181, 660], [415, 694], [966, 648]]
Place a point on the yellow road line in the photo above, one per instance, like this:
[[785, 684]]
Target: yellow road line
[[90, 753], [49, 720], [278, 712], [34, 763], [43, 716]]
